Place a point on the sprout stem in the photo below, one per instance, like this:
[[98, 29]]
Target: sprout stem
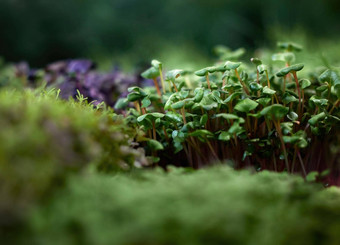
[[165, 134], [137, 106], [255, 126], [267, 78], [175, 87], [284, 84], [278, 130], [223, 84], [243, 85], [183, 115], [208, 81], [154, 130], [302, 165], [212, 149], [299, 92], [275, 165], [162, 80], [294, 159], [157, 87], [334, 106]]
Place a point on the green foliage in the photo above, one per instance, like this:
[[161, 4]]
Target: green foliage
[[286, 70], [272, 116], [44, 139], [210, 206]]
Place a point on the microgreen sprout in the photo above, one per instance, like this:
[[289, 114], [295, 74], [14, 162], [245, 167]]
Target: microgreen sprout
[[244, 114]]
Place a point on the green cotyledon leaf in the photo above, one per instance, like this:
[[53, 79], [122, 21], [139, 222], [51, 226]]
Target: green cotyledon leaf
[[246, 105], [275, 112], [150, 73], [289, 69]]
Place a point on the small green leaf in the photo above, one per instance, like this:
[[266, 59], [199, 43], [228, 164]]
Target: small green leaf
[[204, 119], [137, 90], [232, 97], [134, 97], [152, 116], [289, 46], [304, 83], [155, 145], [224, 136], [311, 177], [219, 68], [262, 68], [226, 74], [264, 101], [232, 65], [254, 86], [269, 91], [208, 103], [297, 139], [146, 102], [325, 173], [227, 116], [213, 69], [287, 57], [157, 64], [292, 116], [173, 117], [150, 73], [289, 69], [178, 105], [236, 129], [321, 88], [184, 94], [199, 92], [245, 155], [316, 118], [201, 73], [288, 98], [215, 95], [189, 104], [202, 134], [121, 103], [287, 127], [246, 105], [275, 112], [156, 114], [226, 54], [318, 101], [333, 78], [173, 74], [256, 61]]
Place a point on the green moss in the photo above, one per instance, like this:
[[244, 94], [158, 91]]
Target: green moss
[[212, 206], [43, 139]]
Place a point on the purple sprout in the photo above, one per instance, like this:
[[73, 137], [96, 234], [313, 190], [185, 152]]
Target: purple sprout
[[72, 75], [79, 66]]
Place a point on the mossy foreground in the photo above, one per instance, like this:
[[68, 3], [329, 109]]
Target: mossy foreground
[[213, 206], [43, 140]]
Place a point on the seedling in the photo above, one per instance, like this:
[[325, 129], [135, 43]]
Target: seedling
[[233, 66], [152, 73], [230, 115], [158, 65], [293, 69]]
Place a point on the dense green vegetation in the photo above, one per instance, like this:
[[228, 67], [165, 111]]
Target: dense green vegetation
[[210, 206], [74, 170], [271, 115], [44, 139]]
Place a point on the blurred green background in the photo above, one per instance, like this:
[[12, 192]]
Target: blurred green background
[[135, 31]]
